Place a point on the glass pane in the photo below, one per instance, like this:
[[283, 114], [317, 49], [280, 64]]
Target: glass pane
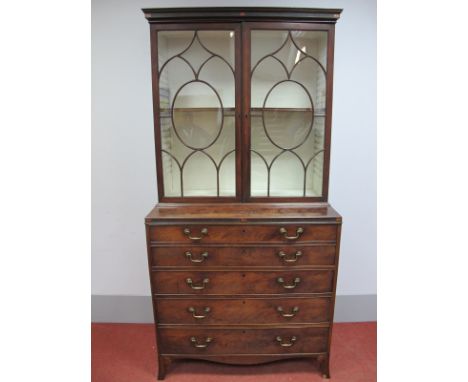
[[288, 94], [197, 104], [197, 115]]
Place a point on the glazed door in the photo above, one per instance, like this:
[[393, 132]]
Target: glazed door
[[287, 76], [197, 120]]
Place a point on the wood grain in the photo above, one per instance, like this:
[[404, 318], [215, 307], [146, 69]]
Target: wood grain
[[243, 341], [242, 282], [202, 256], [243, 212], [242, 233], [249, 311]]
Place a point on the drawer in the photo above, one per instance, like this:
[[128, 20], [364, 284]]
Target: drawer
[[243, 341], [242, 282], [278, 233], [248, 311], [199, 256]]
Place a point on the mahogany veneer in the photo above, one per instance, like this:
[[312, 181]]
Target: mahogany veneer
[[197, 256], [246, 340], [249, 310], [241, 279], [236, 288]]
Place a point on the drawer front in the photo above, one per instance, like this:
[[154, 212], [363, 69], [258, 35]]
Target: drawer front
[[243, 341], [242, 282], [199, 256], [246, 311], [243, 233]]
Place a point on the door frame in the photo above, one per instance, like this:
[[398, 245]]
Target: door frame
[[247, 27], [231, 26]]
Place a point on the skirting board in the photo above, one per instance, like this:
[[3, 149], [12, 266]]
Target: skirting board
[[137, 309]]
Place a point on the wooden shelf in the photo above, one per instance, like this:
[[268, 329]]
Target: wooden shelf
[[257, 111], [230, 111]]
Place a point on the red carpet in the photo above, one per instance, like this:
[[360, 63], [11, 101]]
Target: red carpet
[[125, 353]]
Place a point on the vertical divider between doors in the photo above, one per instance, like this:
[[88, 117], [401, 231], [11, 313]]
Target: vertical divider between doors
[[245, 48]]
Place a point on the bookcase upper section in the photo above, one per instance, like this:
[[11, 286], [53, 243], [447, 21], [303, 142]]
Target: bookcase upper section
[[242, 103]]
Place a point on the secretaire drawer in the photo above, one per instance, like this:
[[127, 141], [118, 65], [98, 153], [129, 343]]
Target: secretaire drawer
[[248, 311], [242, 341], [242, 282], [200, 256], [276, 233]]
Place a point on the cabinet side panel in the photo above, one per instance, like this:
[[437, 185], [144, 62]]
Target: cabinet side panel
[[329, 107], [335, 279], [156, 113], [155, 314]]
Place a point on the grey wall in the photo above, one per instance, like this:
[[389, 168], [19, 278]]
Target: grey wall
[[123, 166]]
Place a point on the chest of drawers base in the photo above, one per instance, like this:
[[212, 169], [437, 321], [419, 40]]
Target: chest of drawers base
[[243, 288]]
